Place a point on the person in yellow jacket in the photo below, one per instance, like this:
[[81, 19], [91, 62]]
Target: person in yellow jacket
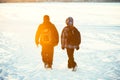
[[47, 36]]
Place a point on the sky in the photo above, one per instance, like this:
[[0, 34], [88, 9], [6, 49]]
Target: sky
[[59, 0]]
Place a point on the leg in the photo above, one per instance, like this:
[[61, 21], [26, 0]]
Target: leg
[[45, 59], [71, 62], [50, 56], [44, 56], [47, 56]]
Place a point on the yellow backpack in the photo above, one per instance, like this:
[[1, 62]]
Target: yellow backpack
[[46, 36]]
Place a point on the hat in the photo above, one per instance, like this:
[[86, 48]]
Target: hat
[[69, 21], [46, 18]]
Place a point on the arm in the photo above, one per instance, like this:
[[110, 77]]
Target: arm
[[63, 39], [55, 35], [78, 38], [37, 35]]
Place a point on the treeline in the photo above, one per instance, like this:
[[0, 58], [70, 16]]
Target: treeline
[[59, 0]]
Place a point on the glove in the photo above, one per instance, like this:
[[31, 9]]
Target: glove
[[63, 47], [37, 43], [77, 48]]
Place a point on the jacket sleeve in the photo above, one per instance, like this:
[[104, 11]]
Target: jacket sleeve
[[79, 42], [63, 38], [37, 35], [55, 36], [78, 36]]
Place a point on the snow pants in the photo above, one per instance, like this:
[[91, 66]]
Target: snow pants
[[47, 54], [71, 62]]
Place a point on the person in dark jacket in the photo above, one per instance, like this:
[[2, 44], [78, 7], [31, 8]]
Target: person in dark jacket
[[70, 39], [47, 36]]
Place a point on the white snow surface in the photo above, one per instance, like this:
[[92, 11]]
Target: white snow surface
[[99, 54]]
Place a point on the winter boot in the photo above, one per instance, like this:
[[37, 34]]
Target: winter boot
[[69, 65], [74, 68]]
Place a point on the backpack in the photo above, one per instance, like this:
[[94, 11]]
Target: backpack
[[73, 37], [46, 36]]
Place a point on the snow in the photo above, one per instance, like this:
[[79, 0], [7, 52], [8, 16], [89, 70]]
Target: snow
[[99, 54]]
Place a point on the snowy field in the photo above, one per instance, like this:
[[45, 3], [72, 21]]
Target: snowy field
[[99, 54]]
